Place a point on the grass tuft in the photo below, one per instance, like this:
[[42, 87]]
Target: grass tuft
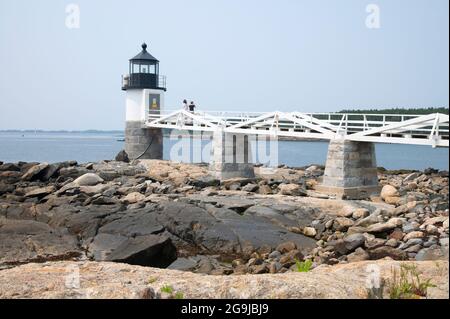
[[167, 289], [407, 283], [303, 266]]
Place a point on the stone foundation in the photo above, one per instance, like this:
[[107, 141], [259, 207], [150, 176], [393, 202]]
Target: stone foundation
[[350, 170], [138, 139], [231, 156]]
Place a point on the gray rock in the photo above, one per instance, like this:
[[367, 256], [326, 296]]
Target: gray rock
[[184, 264], [24, 241], [134, 223], [433, 253], [108, 170], [411, 242], [72, 172], [204, 181], [9, 167], [411, 226], [10, 177], [34, 172], [274, 254], [104, 244], [384, 227], [224, 233], [6, 188], [51, 171], [373, 218], [148, 250], [122, 156], [205, 266], [386, 251], [358, 255], [348, 244], [342, 223], [41, 192], [292, 190], [392, 242], [413, 249], [275, 267], [431, 241], [250, 188], [88, 179], [271, 214]]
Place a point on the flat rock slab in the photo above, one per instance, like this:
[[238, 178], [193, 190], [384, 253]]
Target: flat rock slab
[[114, 280], [23, 241], [225, 231]]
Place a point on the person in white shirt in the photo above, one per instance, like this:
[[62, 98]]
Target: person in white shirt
[[185, 105]]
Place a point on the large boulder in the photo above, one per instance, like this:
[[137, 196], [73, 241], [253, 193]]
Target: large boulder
[[388, 191], [88, 179], [133, 237]]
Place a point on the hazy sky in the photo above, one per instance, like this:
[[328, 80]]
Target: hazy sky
[[251, 55]]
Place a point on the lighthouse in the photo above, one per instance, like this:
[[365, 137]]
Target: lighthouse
[[145, 89]]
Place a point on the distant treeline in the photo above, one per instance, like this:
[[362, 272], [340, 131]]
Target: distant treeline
[[418, 111]]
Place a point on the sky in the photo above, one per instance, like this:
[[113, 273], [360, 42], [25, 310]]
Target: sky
[[237, 55]]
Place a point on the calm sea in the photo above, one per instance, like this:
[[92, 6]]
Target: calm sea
[[90, 147]]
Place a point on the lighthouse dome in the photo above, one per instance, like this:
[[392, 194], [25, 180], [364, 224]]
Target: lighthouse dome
[[144, 55]]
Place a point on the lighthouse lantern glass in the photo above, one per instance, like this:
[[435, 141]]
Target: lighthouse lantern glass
[[144, 67]]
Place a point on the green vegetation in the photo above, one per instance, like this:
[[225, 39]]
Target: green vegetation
[[151, 280], [303, 266], [179, 295], [167, 289], [407, 284], [415, 111], [172, 294]]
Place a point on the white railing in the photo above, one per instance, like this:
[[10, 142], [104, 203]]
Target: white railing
[[432, 129]]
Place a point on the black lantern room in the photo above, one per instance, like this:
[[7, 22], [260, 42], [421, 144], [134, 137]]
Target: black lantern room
[[144, 73]]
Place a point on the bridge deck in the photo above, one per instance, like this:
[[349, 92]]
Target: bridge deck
[[431, 129]]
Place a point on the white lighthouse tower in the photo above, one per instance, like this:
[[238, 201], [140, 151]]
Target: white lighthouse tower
[[144, 96]]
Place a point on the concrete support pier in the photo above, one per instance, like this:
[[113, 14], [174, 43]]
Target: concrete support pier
[[143, 143], [350, 170], [231, 156]]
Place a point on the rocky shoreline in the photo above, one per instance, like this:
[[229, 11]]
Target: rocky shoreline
[[170, 215]]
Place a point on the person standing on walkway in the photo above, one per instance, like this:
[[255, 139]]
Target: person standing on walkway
[[192, 107], [185, 105]]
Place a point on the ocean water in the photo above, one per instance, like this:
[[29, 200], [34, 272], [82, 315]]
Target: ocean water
[[90, 147]]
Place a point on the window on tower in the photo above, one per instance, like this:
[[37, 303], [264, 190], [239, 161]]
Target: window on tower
[[135, 68]]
